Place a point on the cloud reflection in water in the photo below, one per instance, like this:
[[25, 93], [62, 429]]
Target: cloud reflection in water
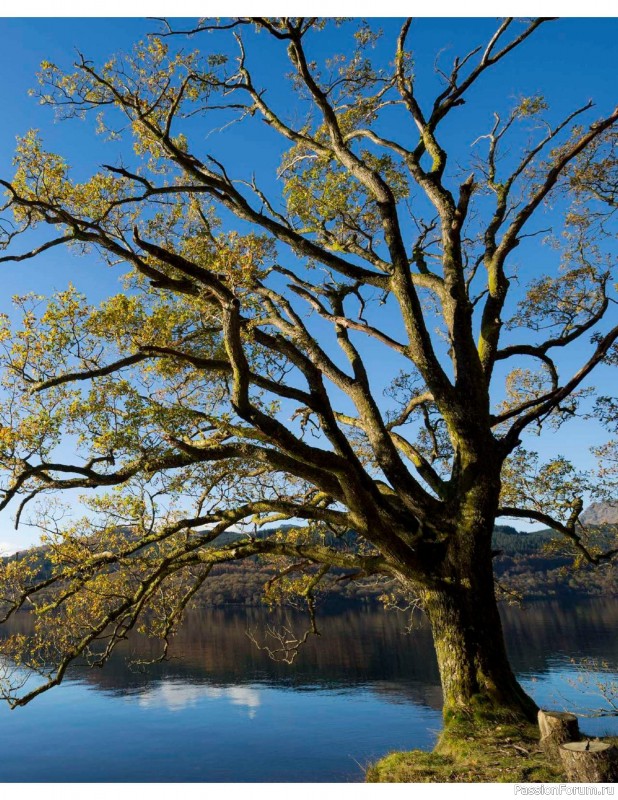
[[175, 696]]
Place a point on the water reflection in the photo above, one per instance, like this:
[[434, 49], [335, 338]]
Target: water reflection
[[367, 647], [362, 688], [541, 633], [176, 696]]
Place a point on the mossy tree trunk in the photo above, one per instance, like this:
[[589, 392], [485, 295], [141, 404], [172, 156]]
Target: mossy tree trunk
[[461, 606], [474, 669]]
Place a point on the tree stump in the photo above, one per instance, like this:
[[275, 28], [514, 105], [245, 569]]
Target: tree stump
[[557, 727], [590, 762]]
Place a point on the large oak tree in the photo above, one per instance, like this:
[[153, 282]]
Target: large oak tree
[[340, 346]]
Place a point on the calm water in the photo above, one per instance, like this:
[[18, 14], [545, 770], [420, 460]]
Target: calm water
[[221, 710]]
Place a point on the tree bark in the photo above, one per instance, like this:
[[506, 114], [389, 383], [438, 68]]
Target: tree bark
[[474, 669], [590, 762], [557, 727], [467, 632]]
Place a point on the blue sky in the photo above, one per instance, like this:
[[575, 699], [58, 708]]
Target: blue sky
[[569, 62]]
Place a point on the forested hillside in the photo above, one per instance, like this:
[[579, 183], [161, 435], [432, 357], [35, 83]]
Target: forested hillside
[[527, 566], [533, 566]]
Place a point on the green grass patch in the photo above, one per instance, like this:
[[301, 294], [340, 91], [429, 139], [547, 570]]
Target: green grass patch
[[473, 751]]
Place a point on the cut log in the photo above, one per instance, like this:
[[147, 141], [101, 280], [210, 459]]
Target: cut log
[[590, 762], [557, 727]]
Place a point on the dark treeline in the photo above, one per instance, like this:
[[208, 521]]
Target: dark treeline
[[533, 566]]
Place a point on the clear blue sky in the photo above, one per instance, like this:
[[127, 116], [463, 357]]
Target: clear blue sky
[[569, 62]]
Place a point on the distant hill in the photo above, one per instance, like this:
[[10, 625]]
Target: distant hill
[[535, 565], [526, 564], [601, 514]]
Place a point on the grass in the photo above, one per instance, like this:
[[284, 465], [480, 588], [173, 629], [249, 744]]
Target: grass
[[473, 750]]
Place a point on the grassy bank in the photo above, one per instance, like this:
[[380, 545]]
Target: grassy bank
[[486, 752]]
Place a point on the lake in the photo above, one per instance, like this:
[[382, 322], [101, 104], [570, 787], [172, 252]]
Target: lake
[[222, 710]]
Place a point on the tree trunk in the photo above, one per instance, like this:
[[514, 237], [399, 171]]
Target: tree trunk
[[467, 632]]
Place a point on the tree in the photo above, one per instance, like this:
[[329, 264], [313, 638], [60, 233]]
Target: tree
[[231, 384]]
